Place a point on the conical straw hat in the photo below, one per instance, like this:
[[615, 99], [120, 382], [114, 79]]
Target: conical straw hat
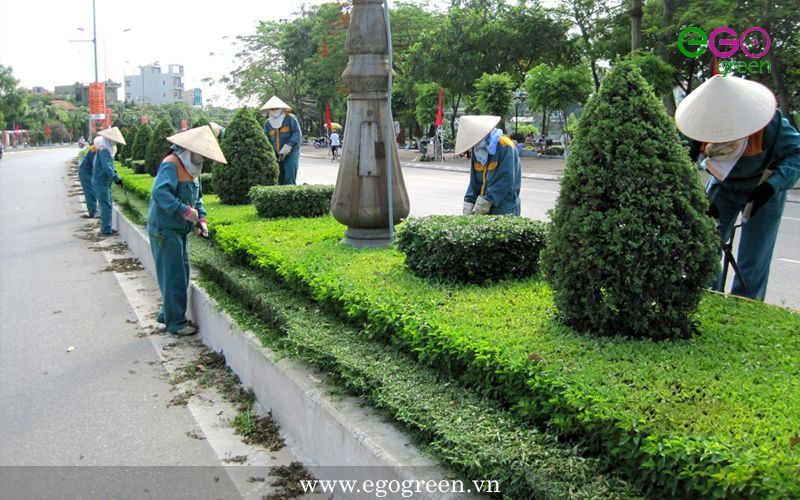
[[471, 129], [725, 109], [215, 127], [275, 103], [113, 134], [199, 140]]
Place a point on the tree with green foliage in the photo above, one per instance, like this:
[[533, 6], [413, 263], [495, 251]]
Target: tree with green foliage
[[251, 160], [139, 149], [493, 94], [556, 88], [13, 102], [427, 103], [631, 247], [158, 147]]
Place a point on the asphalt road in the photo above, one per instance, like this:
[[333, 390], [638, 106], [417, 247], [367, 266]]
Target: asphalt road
[[441, 192], [78, 385]]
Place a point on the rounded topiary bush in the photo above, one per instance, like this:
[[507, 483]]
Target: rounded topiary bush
[[292, 201], [472, 249], [158, 147], [631, 248], [251, 160]]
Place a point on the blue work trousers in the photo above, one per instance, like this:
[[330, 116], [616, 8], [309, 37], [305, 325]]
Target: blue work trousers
[[88, 191], [103, 194], [171, 256], [756, 238]]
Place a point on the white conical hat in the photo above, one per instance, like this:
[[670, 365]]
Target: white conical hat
[[199, 140], [112, 134], [216, 128], [275, 102], [725, 108], [471, 129]]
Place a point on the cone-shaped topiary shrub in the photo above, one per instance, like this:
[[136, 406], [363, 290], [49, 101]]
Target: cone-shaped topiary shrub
[[158, 147], [631, 248], [124, 150], [251, 160], [140, 145]]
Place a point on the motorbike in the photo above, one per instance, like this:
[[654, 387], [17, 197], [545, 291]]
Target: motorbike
[[2, 148], [321, 142]]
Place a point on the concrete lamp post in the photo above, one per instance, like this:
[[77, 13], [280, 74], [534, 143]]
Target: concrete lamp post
[[369, 175]]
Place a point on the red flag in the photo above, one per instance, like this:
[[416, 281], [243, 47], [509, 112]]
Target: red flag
[[714, 66], [328, 116], [439, 110], [183, 124]]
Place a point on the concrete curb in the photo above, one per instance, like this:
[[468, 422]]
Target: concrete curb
[[340, 438]]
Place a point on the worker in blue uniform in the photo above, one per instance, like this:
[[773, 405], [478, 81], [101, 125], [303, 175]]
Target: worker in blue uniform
[[753, 156], [283, 132], [176, 204], [104, 173], [495, 175], [85, 176]]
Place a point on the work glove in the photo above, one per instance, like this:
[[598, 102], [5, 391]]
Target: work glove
[[285, 150], [482, 206], [118, 181], [760, 196], [191, 215], [712, 211], [468, 207], [202, 228]]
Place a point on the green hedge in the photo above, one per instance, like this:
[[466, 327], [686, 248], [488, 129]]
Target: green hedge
[[713, 415], [470, 434], [472, 249], [292, 201]]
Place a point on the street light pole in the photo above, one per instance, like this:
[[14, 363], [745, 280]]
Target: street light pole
[[94, 40]]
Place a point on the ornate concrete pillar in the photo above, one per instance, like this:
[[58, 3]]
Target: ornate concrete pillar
[[360, 200]]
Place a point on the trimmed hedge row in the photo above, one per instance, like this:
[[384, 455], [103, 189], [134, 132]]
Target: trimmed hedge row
[[714, 415], [292, 201], [467, 432], [472, 249], [672, 416]]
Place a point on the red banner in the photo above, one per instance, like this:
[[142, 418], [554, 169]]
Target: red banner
[[328, 116], [107, 122], [97, 101], [183, 124], [47, 132], [439, 110]]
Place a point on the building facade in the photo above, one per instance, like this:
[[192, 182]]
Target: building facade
[[80, 92], [152, 86]]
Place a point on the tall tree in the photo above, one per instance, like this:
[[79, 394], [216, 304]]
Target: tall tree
[[636, 24], [13, 102]]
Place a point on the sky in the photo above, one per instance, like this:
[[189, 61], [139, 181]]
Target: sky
[[35, 39]]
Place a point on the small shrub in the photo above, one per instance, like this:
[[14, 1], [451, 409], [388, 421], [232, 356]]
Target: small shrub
[[207, 182], [158, 147], [631, 248], [472, 249], [292, 201], [251, 160], [139, 148], [138, 166]]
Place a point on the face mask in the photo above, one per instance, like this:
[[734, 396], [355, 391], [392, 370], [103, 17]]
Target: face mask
[[721, 158], [482, 151], [276, 118], [195, 168], [275, 113]]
